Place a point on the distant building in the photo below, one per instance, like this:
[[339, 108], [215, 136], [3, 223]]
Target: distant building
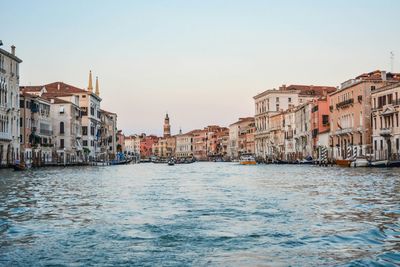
[[9, 107], [36, 129], [146, 145], [184, 145], [241, 137], [108, 134], [167, 127]]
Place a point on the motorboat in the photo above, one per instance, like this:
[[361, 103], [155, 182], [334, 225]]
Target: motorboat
[[247, 160], [360, 162], [380, 163]]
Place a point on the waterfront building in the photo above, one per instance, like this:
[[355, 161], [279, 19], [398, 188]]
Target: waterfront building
[[146, 145], [200, 144], [241, 137], [302, 135], [271, 102], [320, 127], [108, 134], [89, 103], [276, 141], [223, 143], [385, 122], [36, 129], [120, 141], [66, 125], [350, 110], [289, 128], [132, 145], [9, 107], [215, 149], [184, 145]]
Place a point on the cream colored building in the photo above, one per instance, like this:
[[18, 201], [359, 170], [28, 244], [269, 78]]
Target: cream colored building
[[66, 125], [184, 145], [9, 107], [241, 137], [271, 102], [303, 135], [108, 141], [385, 122]]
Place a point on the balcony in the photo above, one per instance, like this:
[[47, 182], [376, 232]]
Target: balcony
[[45, 132], [344, 131], [5, 136], [385, 132], [345, 103]]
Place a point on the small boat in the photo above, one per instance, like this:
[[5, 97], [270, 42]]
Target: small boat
[[307, 160], [360, 162], [20, 166], [343, 162], [247, 160], [380, 163], [394, 163]]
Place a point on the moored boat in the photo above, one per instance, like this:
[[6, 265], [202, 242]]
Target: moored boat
[[379, 163], [247, 160], [360, 162], [343, 162]]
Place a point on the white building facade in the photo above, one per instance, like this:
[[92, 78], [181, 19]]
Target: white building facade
[[9, 107]]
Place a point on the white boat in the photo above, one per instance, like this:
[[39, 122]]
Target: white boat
[[247, 160], [380, 163], [360, 162]]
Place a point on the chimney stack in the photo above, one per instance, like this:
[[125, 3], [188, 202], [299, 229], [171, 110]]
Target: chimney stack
[[13, 50], [383, 75]]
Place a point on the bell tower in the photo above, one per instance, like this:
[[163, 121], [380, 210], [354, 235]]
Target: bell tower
[[167, 127]]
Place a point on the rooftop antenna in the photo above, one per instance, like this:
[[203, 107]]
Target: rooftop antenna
[[391, 60]]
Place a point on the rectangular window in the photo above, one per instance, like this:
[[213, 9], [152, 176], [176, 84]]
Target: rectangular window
[[381, 144], [397, 144], [277, 107], [92, 130], [325, 119], [397, 120], [84, 130], [290, 100], [375, 123], [277, 100], [92, 111], [84, 142], [375, 145], [61, 143]]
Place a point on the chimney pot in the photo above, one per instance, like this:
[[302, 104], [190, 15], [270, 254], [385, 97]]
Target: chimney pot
[[13, 50]]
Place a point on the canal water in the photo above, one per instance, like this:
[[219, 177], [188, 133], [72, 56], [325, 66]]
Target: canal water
[[200, 214]]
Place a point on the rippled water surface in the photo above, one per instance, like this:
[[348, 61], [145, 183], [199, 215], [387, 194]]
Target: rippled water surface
[[200, 214]]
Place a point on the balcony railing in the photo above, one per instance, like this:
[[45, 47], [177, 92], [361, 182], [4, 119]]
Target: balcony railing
[[385, 132], [5, 136], [46, 132], [344, 131], [345, 103]]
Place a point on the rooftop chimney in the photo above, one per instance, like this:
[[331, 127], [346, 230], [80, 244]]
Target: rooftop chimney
[[13, 50], [383, 75]]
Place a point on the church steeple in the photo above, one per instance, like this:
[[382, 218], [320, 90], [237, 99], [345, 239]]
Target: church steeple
[[90, 86], [97, 87]]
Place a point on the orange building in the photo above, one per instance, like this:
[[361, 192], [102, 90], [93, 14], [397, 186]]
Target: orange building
[[350, 109], [146, 145]]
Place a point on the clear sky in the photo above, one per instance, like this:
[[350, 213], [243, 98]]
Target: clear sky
[[202, 61]]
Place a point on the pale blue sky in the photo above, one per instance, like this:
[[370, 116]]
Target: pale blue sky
[[202, 61]]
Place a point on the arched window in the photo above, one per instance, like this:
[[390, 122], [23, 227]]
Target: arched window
[[61, 127]]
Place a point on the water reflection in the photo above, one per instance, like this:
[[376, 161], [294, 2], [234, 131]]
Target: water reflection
[[200, 214]]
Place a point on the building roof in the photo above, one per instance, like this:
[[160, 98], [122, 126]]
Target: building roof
[[311, 90], [386, 87], [241, 120], [8, 54], [58, 89]]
